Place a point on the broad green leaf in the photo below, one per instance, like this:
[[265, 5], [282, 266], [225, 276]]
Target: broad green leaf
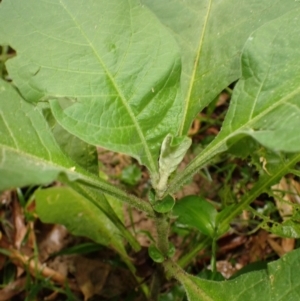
[[30, 154], [279, 282], [109, 70], [265, 104], [197, 212], [111, 207], [63, 205], [211, 35]]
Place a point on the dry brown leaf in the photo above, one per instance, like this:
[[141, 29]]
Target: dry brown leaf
[[36, 268], [19, 223], [283, 199], [227, 269], [276, 247], [195, 127], [231, 243], [288, 244], [118, 281], [51, 239], [90, 275], [258, 248], [223, 98]]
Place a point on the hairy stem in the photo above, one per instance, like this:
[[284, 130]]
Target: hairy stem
[[162, 243], [179, 274], [162, 228], [119, 194]]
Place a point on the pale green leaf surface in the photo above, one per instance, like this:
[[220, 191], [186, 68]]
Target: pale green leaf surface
[[265, 104], [211, 35], [63, 205], [280, 282], [109, 69], [29, 153]]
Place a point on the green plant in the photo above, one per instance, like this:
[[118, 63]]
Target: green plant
[[131, 76]]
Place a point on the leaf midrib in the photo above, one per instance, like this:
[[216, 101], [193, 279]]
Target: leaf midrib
[[152, 166], [199, 51]]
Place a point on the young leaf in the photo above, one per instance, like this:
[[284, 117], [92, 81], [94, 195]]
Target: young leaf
[[211, 36], [172, 152], [265, 101], [197, 212], [276, 283], [110, 72], [63, 205], [165, 205]]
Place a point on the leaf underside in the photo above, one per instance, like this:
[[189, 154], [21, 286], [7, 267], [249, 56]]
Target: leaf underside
[[110, 71], [62, 205]]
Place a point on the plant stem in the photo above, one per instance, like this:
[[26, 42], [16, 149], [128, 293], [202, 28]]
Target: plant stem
[[187, 258], [119, 194], [162, 243], [162, 228], [213, 261], [185, 279]]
